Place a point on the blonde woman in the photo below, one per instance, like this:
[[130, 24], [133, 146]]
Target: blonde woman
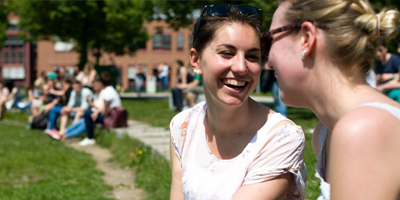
[[321, 51]]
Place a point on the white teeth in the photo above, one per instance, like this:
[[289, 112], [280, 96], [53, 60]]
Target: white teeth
[[235, 82]]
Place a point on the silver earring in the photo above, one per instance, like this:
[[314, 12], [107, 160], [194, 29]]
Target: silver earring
[[196, 71], [303, 54]]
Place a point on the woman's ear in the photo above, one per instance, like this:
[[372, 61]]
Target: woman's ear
[[308, 35], [195, 60]]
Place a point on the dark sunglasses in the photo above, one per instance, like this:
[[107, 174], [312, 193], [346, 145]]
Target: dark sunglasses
[[266, 37], [224, 10]]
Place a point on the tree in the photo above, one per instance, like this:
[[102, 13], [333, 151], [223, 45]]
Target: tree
[[100, 25], [180, 13], [3, 22]]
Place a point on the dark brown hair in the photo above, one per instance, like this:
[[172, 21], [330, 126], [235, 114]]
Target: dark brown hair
[[209, 25]]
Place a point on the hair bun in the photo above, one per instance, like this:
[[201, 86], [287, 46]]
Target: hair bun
[[389, 23], [382, 25]]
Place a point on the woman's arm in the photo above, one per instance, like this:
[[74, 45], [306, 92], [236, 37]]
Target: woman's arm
[[57, 92], [176, 184], [105, 107], [270, 190], [272, 174]]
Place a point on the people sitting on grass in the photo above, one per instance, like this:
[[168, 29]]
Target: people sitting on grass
[[42, 103], [111, 100], [76, 107], [8, 97], [78, 127]]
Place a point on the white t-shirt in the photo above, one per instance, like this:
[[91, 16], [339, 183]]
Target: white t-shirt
[[164, 71], [97, 101], [110, 95], [268, 155]]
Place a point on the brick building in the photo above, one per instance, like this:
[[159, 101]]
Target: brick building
[[23, 61], [17, 57]]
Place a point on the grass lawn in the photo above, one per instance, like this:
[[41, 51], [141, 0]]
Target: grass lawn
[[157, 113], [35, 167]]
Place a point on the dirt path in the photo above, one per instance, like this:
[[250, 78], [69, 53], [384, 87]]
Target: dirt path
[[122, 180]]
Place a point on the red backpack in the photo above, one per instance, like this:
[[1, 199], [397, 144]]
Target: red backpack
[[116, 117]]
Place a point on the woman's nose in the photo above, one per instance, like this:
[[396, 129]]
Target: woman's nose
[[239, 65]]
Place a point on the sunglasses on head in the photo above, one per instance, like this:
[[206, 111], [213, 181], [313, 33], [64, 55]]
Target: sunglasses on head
[[267, 39], [224, 10]]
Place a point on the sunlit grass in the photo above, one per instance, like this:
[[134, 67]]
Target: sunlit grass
[[35, 167]]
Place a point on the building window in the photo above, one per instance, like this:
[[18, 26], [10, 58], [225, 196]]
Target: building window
[[12, 54], [13, 72], [161, 41], [179, 42]]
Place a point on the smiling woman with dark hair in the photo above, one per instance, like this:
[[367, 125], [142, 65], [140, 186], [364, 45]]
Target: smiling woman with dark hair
[[230, 146]]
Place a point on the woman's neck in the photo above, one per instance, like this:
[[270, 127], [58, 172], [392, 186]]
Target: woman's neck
[[335, 102], [228, 120]]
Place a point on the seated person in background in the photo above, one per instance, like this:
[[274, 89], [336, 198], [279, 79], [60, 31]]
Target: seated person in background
[[78, 127], [392, 86], [87, 75], [110, 98], [23, 105], [43, 102], [183, 78], [8, 96], [193, 89], [76, 106], [387, 64], [4, 93]]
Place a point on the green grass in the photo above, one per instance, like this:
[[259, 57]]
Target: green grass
[[153, 171], [35, 167], [153, 112]]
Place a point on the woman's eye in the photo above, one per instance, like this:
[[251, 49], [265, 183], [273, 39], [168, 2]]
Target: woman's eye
[[226, 54], [253, 58]]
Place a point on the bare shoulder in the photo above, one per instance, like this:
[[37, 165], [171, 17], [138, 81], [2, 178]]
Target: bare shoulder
[[368, 136], [367, 124], [364, 157]]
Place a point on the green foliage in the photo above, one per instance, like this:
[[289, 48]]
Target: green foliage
[[35, 167], [3, 22], [312, 183], [112, 26], [180, 13]]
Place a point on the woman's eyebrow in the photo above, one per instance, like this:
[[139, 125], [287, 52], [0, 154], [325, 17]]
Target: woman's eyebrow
[[233, 47]]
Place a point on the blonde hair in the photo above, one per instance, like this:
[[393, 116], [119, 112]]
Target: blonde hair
[[354, 28]]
